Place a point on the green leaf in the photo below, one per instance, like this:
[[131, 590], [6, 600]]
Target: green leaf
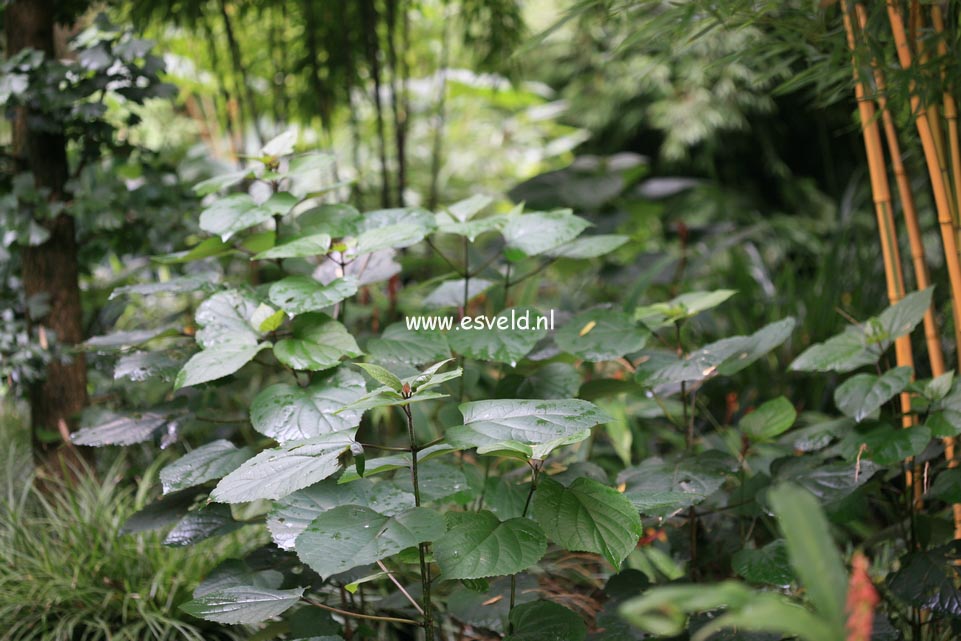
[[202, 524], [902, 318], [352, 535], [451, 293], [864, 344], [216, 362], [275, 473], [937, 388], [389, 237], [553, 380], [303, 246], [481, 546], [532, 428], [266, 319], [243, 604], [231, 214], [226, 317], [235, 573], [862, 395], [537, 232], [143, 366], [947, 486], [218, 183], [847, 351], [767, 612], [290, 412], [769, 420], [119, 340], [588, 517], [207, 248], [104, 427], [688, 305], [397, 344], [472, 228], [382, 375], [299, 294], [506, 338], [768, 565], [588, 247], [814, 556], [280, 145], [600, 335], [206, 463], [382, 218], [928, 579], [885, 444], [545, 621], [318, 342], [724, 357], [292, 514], [661, 488], [337, 221], [466, 209]]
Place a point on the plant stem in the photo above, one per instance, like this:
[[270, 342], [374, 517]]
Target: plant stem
[[536, 466], [428, 622], [357, 615]]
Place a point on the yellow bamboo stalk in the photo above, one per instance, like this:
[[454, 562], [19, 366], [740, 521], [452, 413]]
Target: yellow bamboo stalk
[[942, 197], [881, 193], [932, 333], [950, 107]]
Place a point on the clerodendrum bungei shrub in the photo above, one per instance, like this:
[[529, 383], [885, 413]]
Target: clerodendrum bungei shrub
[[427, 478]]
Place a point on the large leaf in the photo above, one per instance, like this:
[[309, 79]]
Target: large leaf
[[929, 579], [768, 565], [209, 521], [302, 246], [681, 307], [389, 237], [535, 233], [588, 246], [481, 546], [397, 344], [206, 463], [451, 293], [553, 380], [318, 342], [661, 488], [588, 517], [383, 464], [506, 338], [275, 473], [243, 604], [664, 612], [864, 344], [235, 573], [600, 335], [290, 412], [885, 444], [464, 210], [724, 357], [105, 427], [531, 428], [299, 294], [545, 621], [226, 317], [862, 395], [293, 513], [352, 535], [231, 214], [814, 556], [211, 363], [769, 420]]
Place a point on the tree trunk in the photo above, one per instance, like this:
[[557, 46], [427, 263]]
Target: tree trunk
[[49, 269], [321, 95], [245, 93], [398, 83], [371, 41]]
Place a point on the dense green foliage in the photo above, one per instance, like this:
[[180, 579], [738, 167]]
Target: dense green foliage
[[705, 442]]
